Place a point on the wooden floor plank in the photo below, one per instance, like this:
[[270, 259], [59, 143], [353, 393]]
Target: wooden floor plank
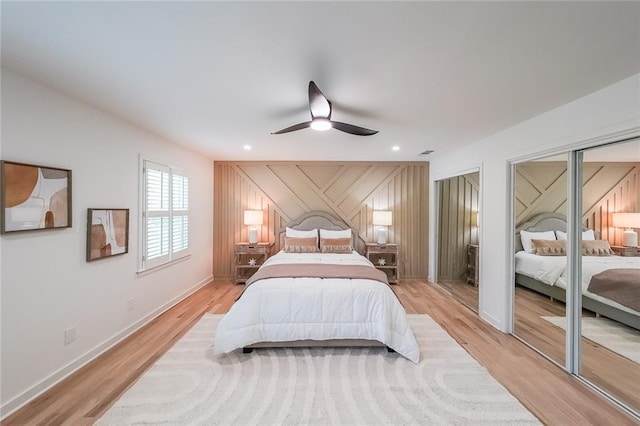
[[548, 392]]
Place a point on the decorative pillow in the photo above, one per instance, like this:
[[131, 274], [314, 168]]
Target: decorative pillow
[[526, 237], [596, 248], [326, 233], [300, 245], [290, 232], [587, 235], [335, 245], [550, 247]]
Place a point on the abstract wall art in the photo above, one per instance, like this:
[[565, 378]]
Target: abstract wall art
[[34, 197], [107, 233]]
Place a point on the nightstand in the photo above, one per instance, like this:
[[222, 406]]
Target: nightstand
[[626, 251], [248, 258], [472, 264], [385, 258]]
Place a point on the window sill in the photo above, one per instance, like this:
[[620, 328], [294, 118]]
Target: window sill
[[143, 272]]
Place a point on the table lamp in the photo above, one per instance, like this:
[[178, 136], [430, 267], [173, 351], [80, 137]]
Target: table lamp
[[382, 219], [628, 221], [251, 219]]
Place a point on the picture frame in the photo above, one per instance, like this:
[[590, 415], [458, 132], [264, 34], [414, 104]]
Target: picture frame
[[34, 197], [107, 233]]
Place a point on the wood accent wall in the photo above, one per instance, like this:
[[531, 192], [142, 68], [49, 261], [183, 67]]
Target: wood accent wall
[[458, 205], [607, 187], [349, 190]]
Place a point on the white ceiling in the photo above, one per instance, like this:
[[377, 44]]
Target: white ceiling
[[218, 75]]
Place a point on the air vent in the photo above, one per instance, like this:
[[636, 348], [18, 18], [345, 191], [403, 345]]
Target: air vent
[[427, 152]]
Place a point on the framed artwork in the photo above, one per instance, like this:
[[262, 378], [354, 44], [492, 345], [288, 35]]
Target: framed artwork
[[34, 197], [107, 233]]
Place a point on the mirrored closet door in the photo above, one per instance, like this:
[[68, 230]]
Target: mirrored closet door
[[610, 320], [458, 227], [604, 276], [540, 208]]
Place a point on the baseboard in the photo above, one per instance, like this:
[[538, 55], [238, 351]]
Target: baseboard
[[493, 321], [24, 398]]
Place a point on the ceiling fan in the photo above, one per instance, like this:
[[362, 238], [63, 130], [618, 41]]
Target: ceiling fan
[[321, 117]]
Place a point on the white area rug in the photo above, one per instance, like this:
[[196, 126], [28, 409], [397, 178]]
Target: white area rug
[[351, 386], [608, 333]]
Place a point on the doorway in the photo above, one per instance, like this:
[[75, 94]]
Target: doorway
[[458, 238]]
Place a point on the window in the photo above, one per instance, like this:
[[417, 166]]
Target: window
[[165, 215]]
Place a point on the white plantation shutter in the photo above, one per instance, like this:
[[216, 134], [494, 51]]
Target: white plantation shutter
[[165, 214]]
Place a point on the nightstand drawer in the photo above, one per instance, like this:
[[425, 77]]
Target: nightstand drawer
[[387, 248], [247, 249]]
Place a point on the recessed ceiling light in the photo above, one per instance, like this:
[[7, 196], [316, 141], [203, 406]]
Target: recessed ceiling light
[[247, 147], [395, 148]]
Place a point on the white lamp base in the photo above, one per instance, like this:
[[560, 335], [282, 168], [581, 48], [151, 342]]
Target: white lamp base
[[629, 238], [253, 235], [382, 235]]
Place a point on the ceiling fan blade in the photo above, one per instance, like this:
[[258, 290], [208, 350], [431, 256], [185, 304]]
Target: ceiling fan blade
[[293, 128], [318, 103], [354, 130]]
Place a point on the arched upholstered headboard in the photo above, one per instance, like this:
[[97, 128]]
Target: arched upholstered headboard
[[542, 222], [320, 220]]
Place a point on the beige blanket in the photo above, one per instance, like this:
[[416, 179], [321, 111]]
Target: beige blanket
[[316, 270], [619, 285]]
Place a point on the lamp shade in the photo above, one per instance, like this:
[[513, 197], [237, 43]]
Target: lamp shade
[[253, 217], [475, 218], [383, 218], [626, 220]]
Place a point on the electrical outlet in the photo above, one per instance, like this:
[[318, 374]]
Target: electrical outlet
[[69, 335], [130, 304]]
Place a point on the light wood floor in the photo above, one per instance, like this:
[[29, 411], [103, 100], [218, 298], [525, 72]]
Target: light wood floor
[[463, 292], [614, 373], [555, 397]]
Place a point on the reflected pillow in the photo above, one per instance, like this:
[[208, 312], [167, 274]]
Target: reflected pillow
[[526, 237], [586, 235], [335, 245], [300, 245], [596, 248], [549, 247]]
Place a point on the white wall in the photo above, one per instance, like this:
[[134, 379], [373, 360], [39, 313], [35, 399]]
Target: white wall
[[605, 115], [47, 286]]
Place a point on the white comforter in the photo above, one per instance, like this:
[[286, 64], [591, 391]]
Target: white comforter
[[552, 270], [288, 309]]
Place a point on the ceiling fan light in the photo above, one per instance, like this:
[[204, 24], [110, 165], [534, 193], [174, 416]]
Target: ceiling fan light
[[320, 124]]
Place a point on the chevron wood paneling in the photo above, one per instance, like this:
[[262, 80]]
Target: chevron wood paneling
[[349, 190], [458, 202], [607, 188]]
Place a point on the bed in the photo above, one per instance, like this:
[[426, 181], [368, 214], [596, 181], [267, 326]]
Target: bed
[[289, 305], [547, 274]]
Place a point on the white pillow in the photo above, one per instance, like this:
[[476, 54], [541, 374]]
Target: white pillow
[[290, 232], [326, 233], [586, 235], [526, 237]]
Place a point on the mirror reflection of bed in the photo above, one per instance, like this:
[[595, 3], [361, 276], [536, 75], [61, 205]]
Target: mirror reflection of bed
[[540, 294]]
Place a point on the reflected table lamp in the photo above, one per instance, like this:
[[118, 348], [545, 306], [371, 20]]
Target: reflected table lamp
[[251, 219], [382, 219], [628, 221]]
